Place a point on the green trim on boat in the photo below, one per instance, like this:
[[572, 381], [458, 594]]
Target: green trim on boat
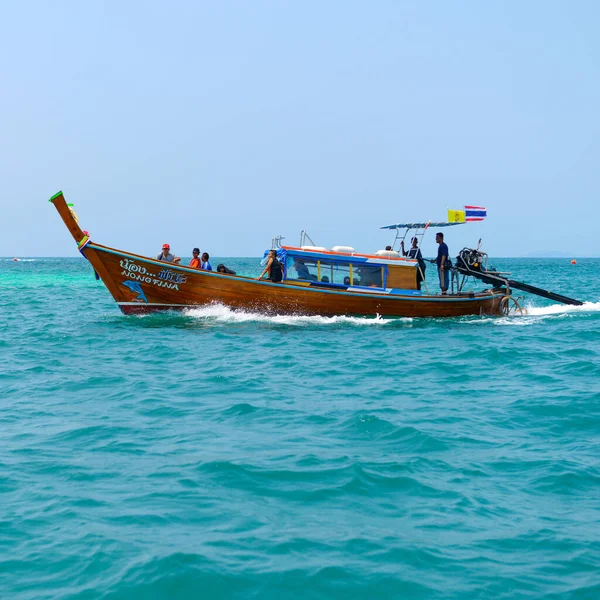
[[55, 196]]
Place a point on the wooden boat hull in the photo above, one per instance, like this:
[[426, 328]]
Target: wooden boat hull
[[142, 285]]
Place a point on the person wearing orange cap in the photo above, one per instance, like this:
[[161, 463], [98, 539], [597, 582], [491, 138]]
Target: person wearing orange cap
[[166, 255]]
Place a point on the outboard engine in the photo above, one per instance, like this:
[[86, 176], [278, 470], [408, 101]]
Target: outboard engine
[[469, 259], [474, 263]]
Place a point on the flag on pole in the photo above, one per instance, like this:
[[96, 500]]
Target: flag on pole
[[475, 213], [456, 216]]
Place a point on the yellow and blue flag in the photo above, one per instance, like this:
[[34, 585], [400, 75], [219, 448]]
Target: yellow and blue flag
[[456, 216]]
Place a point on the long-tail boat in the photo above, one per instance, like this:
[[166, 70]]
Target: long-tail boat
[[316, 281]]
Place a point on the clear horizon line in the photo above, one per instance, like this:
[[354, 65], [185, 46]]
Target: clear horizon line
[[532, 256]]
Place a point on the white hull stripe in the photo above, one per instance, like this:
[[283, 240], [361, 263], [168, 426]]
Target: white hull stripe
[[373, 291]]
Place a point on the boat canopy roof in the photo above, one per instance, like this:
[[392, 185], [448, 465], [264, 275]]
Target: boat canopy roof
[[331, 255], [420, 225]]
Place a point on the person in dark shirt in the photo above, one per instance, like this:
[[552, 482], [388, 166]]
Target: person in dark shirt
[[273, 267], [301, 269], [221, 268], [415, 252], [442, 262]]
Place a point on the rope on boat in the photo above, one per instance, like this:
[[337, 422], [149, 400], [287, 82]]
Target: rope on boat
[[85, 240], [510, 305]]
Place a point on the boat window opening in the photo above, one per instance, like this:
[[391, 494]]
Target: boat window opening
[[303, 269], [369, 276], [335, 273]]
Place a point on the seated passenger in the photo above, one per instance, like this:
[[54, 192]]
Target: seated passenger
[[369, 276], [362, 277], [324, 279], [166, 255], [223, 269], [346, 280], [376, 278], [273, 268], [205, 265], [195, 262], [301, 269]]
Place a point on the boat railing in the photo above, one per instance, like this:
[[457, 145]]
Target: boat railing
[[303, 237], [276, 242]]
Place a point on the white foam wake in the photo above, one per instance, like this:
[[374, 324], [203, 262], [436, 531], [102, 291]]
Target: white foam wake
[[18, 259], [536, 314], [559, 309], [223, 314]]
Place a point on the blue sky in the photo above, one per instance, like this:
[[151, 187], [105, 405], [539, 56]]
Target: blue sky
[[222, 124]]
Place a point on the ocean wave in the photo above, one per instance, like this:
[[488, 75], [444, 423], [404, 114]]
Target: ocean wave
[[16, 259], [223, 314], [367, 426], [218, 313], [561, 309], [295, 575], [536, 314]]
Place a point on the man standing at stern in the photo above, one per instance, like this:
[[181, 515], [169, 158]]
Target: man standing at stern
[[442, 262]]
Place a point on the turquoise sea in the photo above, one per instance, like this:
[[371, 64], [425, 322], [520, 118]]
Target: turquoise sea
[[218, 455]]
